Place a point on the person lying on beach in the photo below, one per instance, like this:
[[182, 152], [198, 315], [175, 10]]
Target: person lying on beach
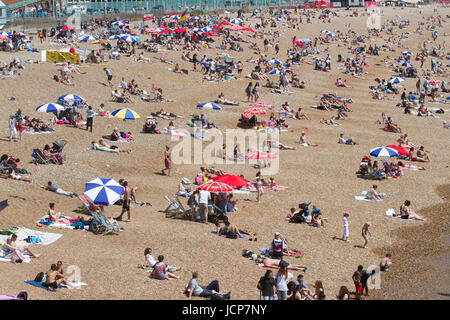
[[54, 279], [372, 194], [113, 149], [279, 145], [281, 91], [221, 99], [422, 158], [328, 121], [305, 142], [167, 115], [15, 253], [407, 213], [229, 228], [14, 176], [52, 188], [340, 83], [346, 141], [275, 263], [209, 291]]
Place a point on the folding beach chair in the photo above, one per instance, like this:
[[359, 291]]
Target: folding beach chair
[[174, 208], [185, 213], [40, 158], [100, 224]]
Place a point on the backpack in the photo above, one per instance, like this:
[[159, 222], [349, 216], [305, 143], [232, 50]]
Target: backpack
[[39, 277]]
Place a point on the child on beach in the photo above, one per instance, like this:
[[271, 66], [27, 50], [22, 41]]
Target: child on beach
[[346, 233]]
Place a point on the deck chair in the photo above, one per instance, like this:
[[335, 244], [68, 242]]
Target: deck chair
[[174, 208], [185, 213], [100, 224], [40, 158]]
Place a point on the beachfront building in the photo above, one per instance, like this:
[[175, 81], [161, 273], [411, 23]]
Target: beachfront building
[[2, 13]]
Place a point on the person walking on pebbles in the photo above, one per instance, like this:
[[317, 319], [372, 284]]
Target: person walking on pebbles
[[365, 231], [167, 161], [346, 233]]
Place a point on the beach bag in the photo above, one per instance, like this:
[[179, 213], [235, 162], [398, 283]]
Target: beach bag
[[39, 277]]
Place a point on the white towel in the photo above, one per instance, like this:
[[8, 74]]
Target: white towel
[[46, 237]]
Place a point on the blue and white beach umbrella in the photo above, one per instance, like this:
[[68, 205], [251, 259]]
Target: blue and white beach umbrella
[[396, 80], [236, 20], [103, 191], [328, 32], [209, 106], [50, 107], [206, 29], [119, 23], [407, 53], [114, 37], [6, 34], [275, 71], [274, 61], [277, 19], [383, 152], [86, 38], [405, 63], [71, 98], [128, 38]]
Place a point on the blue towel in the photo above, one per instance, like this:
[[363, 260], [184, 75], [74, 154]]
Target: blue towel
[[243, 236], [363, 198], [381, 194], [36, 284]]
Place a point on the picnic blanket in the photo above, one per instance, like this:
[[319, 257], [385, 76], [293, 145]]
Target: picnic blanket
[[109, 138], [41, 285], [243, 236], [31, 131], [363, 198]]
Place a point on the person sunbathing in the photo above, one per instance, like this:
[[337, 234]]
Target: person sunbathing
[[324, 103], [55, 158], [221, 99], [54, 216], [14, 176], [299, 115], [422, 154], [392, 126], [340, 83], [407, 213], [229, 228], [14, 253], [305, 142], [276, 144], [412, 157], [115, 135], [346, 141], [372, 194], [54, 278], [275, 263], [112, 149], [106, 145]]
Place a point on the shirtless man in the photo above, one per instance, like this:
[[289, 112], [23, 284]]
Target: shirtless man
[[126, 201], [385, 263], [275, 263], [102, 145], [54, 278], [14, 253]]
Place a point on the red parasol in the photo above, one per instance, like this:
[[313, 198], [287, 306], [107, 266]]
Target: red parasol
[[180, 30], [215, 187], [152, 31], [401, 151], [147, 17], [216, 27], [434, 81], [255, 111], [232, 180], [67, 28], [261, 155], [210, 34], [224, 23], [248, 29], [299, 43]]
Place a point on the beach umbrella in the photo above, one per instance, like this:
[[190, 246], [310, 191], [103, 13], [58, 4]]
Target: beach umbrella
[[260, 156], [236, 21], [71, 98], [20, 34], [277, 19], [119, 23], [210, 34], [275, 71], [216, 27], [274, 61], [5, 34], [407, 53], [248, 29], [152, 30], [262, 104], [147, 17], [99, 41], [128, 38], [103, 191], [166, 31], [255, 111], [85, 38], [2, 37], [114, 37], [405, 63], [383, 152], [206, 29], [401, 151], [179, 30], [215, 187], [50, 107], [194, 18], [232, 180], [434, 81], [236, 28], [209, 106], [125, 113], [224, 23], [67, 28], [396, 80]]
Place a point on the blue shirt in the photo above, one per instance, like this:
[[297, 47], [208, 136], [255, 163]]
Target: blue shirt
[[52, 188], [90, 113]]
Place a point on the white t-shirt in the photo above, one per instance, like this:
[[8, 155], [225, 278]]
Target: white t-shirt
[[342, 140], [150, 260], [203, 197], [282, 281]]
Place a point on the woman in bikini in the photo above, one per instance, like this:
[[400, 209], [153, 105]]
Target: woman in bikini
[[304, 141], [407, 213]]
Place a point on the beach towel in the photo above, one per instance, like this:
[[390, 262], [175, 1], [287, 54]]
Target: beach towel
[[109, 138], [40, 285], [363, 198], [243, 236], [381, 194], [46, 237], [277, 268], [45, 221], [4, 259], [390, 212], [92, 149], [238, 191], [7, 297], [302, 144], [410, 167], [31, 131]]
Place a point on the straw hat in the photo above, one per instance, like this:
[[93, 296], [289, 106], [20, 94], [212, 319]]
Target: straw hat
[[185, 181]]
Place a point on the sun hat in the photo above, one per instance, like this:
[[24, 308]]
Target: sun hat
[[369, 223], [347, 213], [277, 233], [186, 180]]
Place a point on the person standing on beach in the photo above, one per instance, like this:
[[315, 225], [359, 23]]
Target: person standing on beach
[[167, 161], [365, 276], [203, 199], [19, 122], [346, 233], [109, 76], [365, 231], [12, 128], [126, 201], [89, 118], [357, 281]]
